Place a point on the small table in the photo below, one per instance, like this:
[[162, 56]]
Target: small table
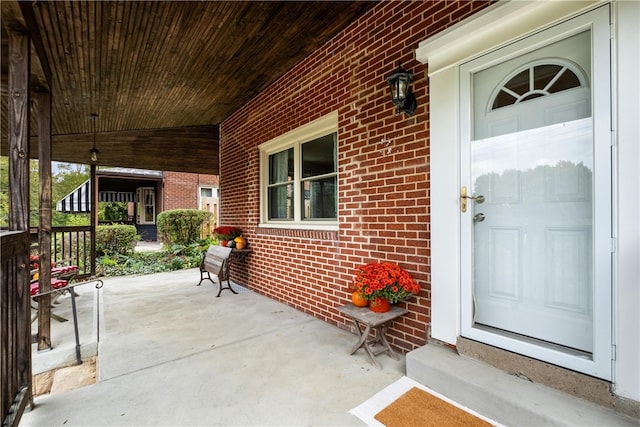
[[380, 322]]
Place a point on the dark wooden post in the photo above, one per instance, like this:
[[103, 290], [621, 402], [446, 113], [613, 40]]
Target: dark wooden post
[[94, 217], [19, 106], [19, 103], [43, 100]]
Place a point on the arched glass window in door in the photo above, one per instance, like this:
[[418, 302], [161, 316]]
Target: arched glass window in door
[[537, 79]]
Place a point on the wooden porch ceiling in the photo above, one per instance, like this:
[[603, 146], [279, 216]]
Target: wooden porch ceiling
[[160, 75]]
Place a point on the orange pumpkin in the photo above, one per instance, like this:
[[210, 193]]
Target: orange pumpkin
[[358, 299], [241, 242]]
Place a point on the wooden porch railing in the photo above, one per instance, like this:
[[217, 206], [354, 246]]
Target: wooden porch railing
[[72, 244], [67, 243], [15, 334]]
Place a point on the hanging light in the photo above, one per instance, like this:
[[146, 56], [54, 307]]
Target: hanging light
[[94, 151], [401, 94]]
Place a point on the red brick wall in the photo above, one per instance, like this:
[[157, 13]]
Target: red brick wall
[[211, 180], [383, 166], [181, 189]]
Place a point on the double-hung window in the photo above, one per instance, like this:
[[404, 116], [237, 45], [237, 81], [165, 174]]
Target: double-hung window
[[299, 177]]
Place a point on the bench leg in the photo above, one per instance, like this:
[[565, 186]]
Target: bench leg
[[222, 288], [224, 275], [202, 278], [34, 316]]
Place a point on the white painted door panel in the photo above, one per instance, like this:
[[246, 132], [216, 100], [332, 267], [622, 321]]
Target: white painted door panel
[[531, 157]]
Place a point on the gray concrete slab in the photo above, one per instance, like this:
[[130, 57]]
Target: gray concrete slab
[[63, 342], [148, 246], [171, 353]]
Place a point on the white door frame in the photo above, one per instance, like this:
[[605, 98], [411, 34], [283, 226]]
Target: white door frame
[[142, 205], [600, 363], [504, 23]]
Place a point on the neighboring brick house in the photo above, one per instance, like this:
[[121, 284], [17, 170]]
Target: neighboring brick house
[[190, 191], [148, 193], [323, 175]]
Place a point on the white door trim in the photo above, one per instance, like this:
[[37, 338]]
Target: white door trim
[[510, 21], [600, 366], [495, 26]]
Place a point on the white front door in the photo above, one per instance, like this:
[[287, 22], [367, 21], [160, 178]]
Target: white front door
[[536, 158]]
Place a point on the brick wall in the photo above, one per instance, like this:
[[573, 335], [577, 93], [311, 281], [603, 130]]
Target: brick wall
[[181, 189], [383, 167]]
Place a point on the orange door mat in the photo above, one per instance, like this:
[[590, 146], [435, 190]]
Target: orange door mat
[[406, 403]]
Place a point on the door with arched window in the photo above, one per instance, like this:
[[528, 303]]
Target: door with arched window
[[534, 154]]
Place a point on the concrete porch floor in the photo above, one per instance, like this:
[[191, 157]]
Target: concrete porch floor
[[171, 353]]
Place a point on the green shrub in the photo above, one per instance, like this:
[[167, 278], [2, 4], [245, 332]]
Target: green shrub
[[113, 211], [116, 239], [181, 226], [175, 257]]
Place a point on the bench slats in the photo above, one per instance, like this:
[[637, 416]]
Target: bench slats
[[215, 258]]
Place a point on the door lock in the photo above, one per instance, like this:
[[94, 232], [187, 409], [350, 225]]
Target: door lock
[[479, 217], [464, 197]]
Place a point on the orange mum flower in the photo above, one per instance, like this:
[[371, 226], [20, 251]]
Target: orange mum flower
[[385, 280]]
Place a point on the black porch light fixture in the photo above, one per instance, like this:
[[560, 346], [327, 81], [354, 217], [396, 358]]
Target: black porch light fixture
[[401, 94], [94, 151]]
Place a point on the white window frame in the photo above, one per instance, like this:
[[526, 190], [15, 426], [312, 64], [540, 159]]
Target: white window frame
[[215, 194], [207, 187], [142, 205], [294, 139]]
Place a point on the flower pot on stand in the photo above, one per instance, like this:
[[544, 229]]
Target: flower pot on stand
[[379, 305]]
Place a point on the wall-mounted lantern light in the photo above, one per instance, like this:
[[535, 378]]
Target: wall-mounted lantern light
[[401, 94], [94, 151]]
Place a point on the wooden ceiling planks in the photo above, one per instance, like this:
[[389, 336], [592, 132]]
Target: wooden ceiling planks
[[154, 64], [159, 149]]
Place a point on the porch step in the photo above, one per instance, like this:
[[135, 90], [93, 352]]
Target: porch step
[[505, 398]]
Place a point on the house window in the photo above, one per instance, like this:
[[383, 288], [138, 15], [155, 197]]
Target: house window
[[146, 205], [281, 177], [319, 178], [536, 80], [208, 199], [300, 176]]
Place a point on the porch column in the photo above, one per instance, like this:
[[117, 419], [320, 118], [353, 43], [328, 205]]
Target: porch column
[[19, 103], [94, 217], [18, 111], [43, 101]]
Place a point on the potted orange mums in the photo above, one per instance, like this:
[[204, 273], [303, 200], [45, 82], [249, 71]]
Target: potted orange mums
[[383, 284]]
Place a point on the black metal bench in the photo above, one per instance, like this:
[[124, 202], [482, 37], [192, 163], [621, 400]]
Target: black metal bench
[[216, 262]]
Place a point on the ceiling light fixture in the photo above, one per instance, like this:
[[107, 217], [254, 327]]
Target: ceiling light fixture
[[94, 151], [401, 94]]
